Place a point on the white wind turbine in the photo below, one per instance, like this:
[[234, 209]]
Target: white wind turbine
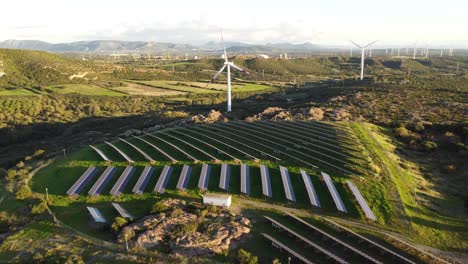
[[227, 64], [363, 50]]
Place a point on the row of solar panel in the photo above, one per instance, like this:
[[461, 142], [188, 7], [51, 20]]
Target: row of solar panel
[[99, 218], [223, 184]]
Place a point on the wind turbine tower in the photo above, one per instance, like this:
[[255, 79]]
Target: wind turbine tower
[[228, 65], [363, 50]]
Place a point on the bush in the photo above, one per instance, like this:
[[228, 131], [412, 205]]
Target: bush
[[245, 257], [23, 192], [159, 207], [39, 208], [11, 174], [119, 222], [20, 165], [38, 153], [429, 145], [402, 132]]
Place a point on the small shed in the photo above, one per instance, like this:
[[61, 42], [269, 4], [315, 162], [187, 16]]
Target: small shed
[[217, 199]]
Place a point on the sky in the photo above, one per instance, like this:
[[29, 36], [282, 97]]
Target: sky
[[326, 22]]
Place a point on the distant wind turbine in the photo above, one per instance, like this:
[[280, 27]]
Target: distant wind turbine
[[363, 50], [228, 65]]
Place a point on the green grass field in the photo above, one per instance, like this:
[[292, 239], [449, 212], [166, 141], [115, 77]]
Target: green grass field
[[16, 92]]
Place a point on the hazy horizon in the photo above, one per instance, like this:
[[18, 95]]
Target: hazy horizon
[[333, 23]]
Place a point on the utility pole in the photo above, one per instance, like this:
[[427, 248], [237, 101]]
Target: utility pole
[[65, 153], [47, 195]]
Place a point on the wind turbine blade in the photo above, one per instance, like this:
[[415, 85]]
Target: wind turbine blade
[[370, 44], [239, 68], [224, 47], [356, 44], [216, 75]]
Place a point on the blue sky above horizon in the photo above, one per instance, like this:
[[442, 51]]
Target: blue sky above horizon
[[331, 22]]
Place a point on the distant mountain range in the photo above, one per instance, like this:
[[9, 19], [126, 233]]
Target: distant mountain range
[[111, 46]]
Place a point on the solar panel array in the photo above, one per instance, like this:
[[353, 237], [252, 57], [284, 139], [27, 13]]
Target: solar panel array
[[174, 146], [266, 184], [163, 179], [224, 177], [362, 202], [307, 241], [127, 158], [102, 181], [184, 177], [143, 180], [204, 177], [158, 149], [147, 157], [334, 193], [288, 190], [82, 181], [333, 238], [245, 179], [97, 216], [122, 212], [286, 248], [103, 156], [122, 181], [310, 189]]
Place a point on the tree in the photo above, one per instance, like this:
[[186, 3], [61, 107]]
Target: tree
[[245, 257]]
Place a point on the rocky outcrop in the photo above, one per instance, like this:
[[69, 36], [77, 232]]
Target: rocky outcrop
[[187, 230]]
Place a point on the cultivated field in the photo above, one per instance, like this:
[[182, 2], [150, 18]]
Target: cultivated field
[[145, 90]]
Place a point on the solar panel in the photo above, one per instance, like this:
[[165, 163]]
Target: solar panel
[[288, 190], [362, 202], [102, 181], [174, 146], [163, 179], [245, 179], [122, 212], [184, 177], [286, 248], [334, 193], [127, 158], [143, 180], [204, 177], [307, 241], [193, 146], [103, 156], [147, 157], [266, 184], [310, 189], [158, 149], [87, 176], [122, 181], [224, 179], [97, 216], [333, 238]]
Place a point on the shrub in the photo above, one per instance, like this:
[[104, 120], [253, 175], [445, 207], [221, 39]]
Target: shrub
[[23, 192], [245, 257], [38, 153], [402, 132], [176, 213], [119, 222], [429, 145], [159, 207], [39, 208], [11, 174], [20, 165]]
